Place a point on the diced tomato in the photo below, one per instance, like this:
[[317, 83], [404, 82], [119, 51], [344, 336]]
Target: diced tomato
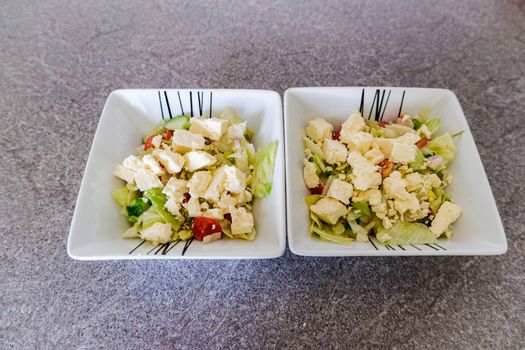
[[203, 226], [336, 135], [317, 190], [383, 123], [228, 217], [149, 143], [386, 168], [167, 135], [186, 198], [422, 143]]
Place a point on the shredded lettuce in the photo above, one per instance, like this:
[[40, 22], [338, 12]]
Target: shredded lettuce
[[313, 147], [158, 199], [361, 208], [327, 234], [123, 196], [230, 116], [423, 119], [263, 169], [312, 199], [405, 233], [418, 163], [444, 146]]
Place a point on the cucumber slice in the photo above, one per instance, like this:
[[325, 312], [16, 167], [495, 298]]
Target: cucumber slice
[[177, 123]]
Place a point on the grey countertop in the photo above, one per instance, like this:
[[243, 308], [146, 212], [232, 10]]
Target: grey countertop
[[60, 59]]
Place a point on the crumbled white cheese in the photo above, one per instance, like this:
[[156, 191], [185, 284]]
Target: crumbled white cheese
[[319, 130], [334, 151], [446, 215], [212, 128], [340, 190], [146, 180], [329, 210]]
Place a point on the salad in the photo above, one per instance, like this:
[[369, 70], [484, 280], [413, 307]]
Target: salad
[[194, 178], [379, 178]]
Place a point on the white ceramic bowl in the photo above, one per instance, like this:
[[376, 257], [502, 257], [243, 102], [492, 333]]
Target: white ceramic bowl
[[97, 224], [478, 231]]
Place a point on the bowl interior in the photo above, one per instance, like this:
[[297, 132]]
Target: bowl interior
[[478, 231], [129, 114]]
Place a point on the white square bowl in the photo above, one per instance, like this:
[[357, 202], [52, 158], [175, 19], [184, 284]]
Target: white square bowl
[[478, 231], [97, 223]]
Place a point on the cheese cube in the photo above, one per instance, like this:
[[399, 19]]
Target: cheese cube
[[329, 210], [145, 180], [310, 176], [174, 207], [173, 162], [216, 186], [196, 160], [446, 215], [185, 141], [214, 213], [237, 130], [334, 151], [408, 138], [353, 124], [359, 141], [384, 144], [133, 163], [364, 175], [193, 207], [157, 233], [242, 221], [375, 156], [394, 186], [175, 188], [409, 203], [227, 202], [243, 197], [403, 153], [340, 190], [235, 179], [212, 128], [124, 173], [151, 163], [319, 129], [199, 182]]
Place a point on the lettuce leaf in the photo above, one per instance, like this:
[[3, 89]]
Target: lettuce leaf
[[419, 161], [158, 199], [263, 169], [361, 208], [444, 146], [405, 233], [327, 234]]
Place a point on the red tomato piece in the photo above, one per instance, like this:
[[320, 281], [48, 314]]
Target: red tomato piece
[[422, 143], [167, 135], [149, 144], [228, 217], [203, 226], [336, 135], [383, 123], [186, 198], [317, 190]]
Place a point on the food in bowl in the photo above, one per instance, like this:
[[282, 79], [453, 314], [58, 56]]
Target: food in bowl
[[386, 179], [194, 178]]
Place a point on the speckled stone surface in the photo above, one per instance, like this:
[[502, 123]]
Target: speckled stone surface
[[60, 59]]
